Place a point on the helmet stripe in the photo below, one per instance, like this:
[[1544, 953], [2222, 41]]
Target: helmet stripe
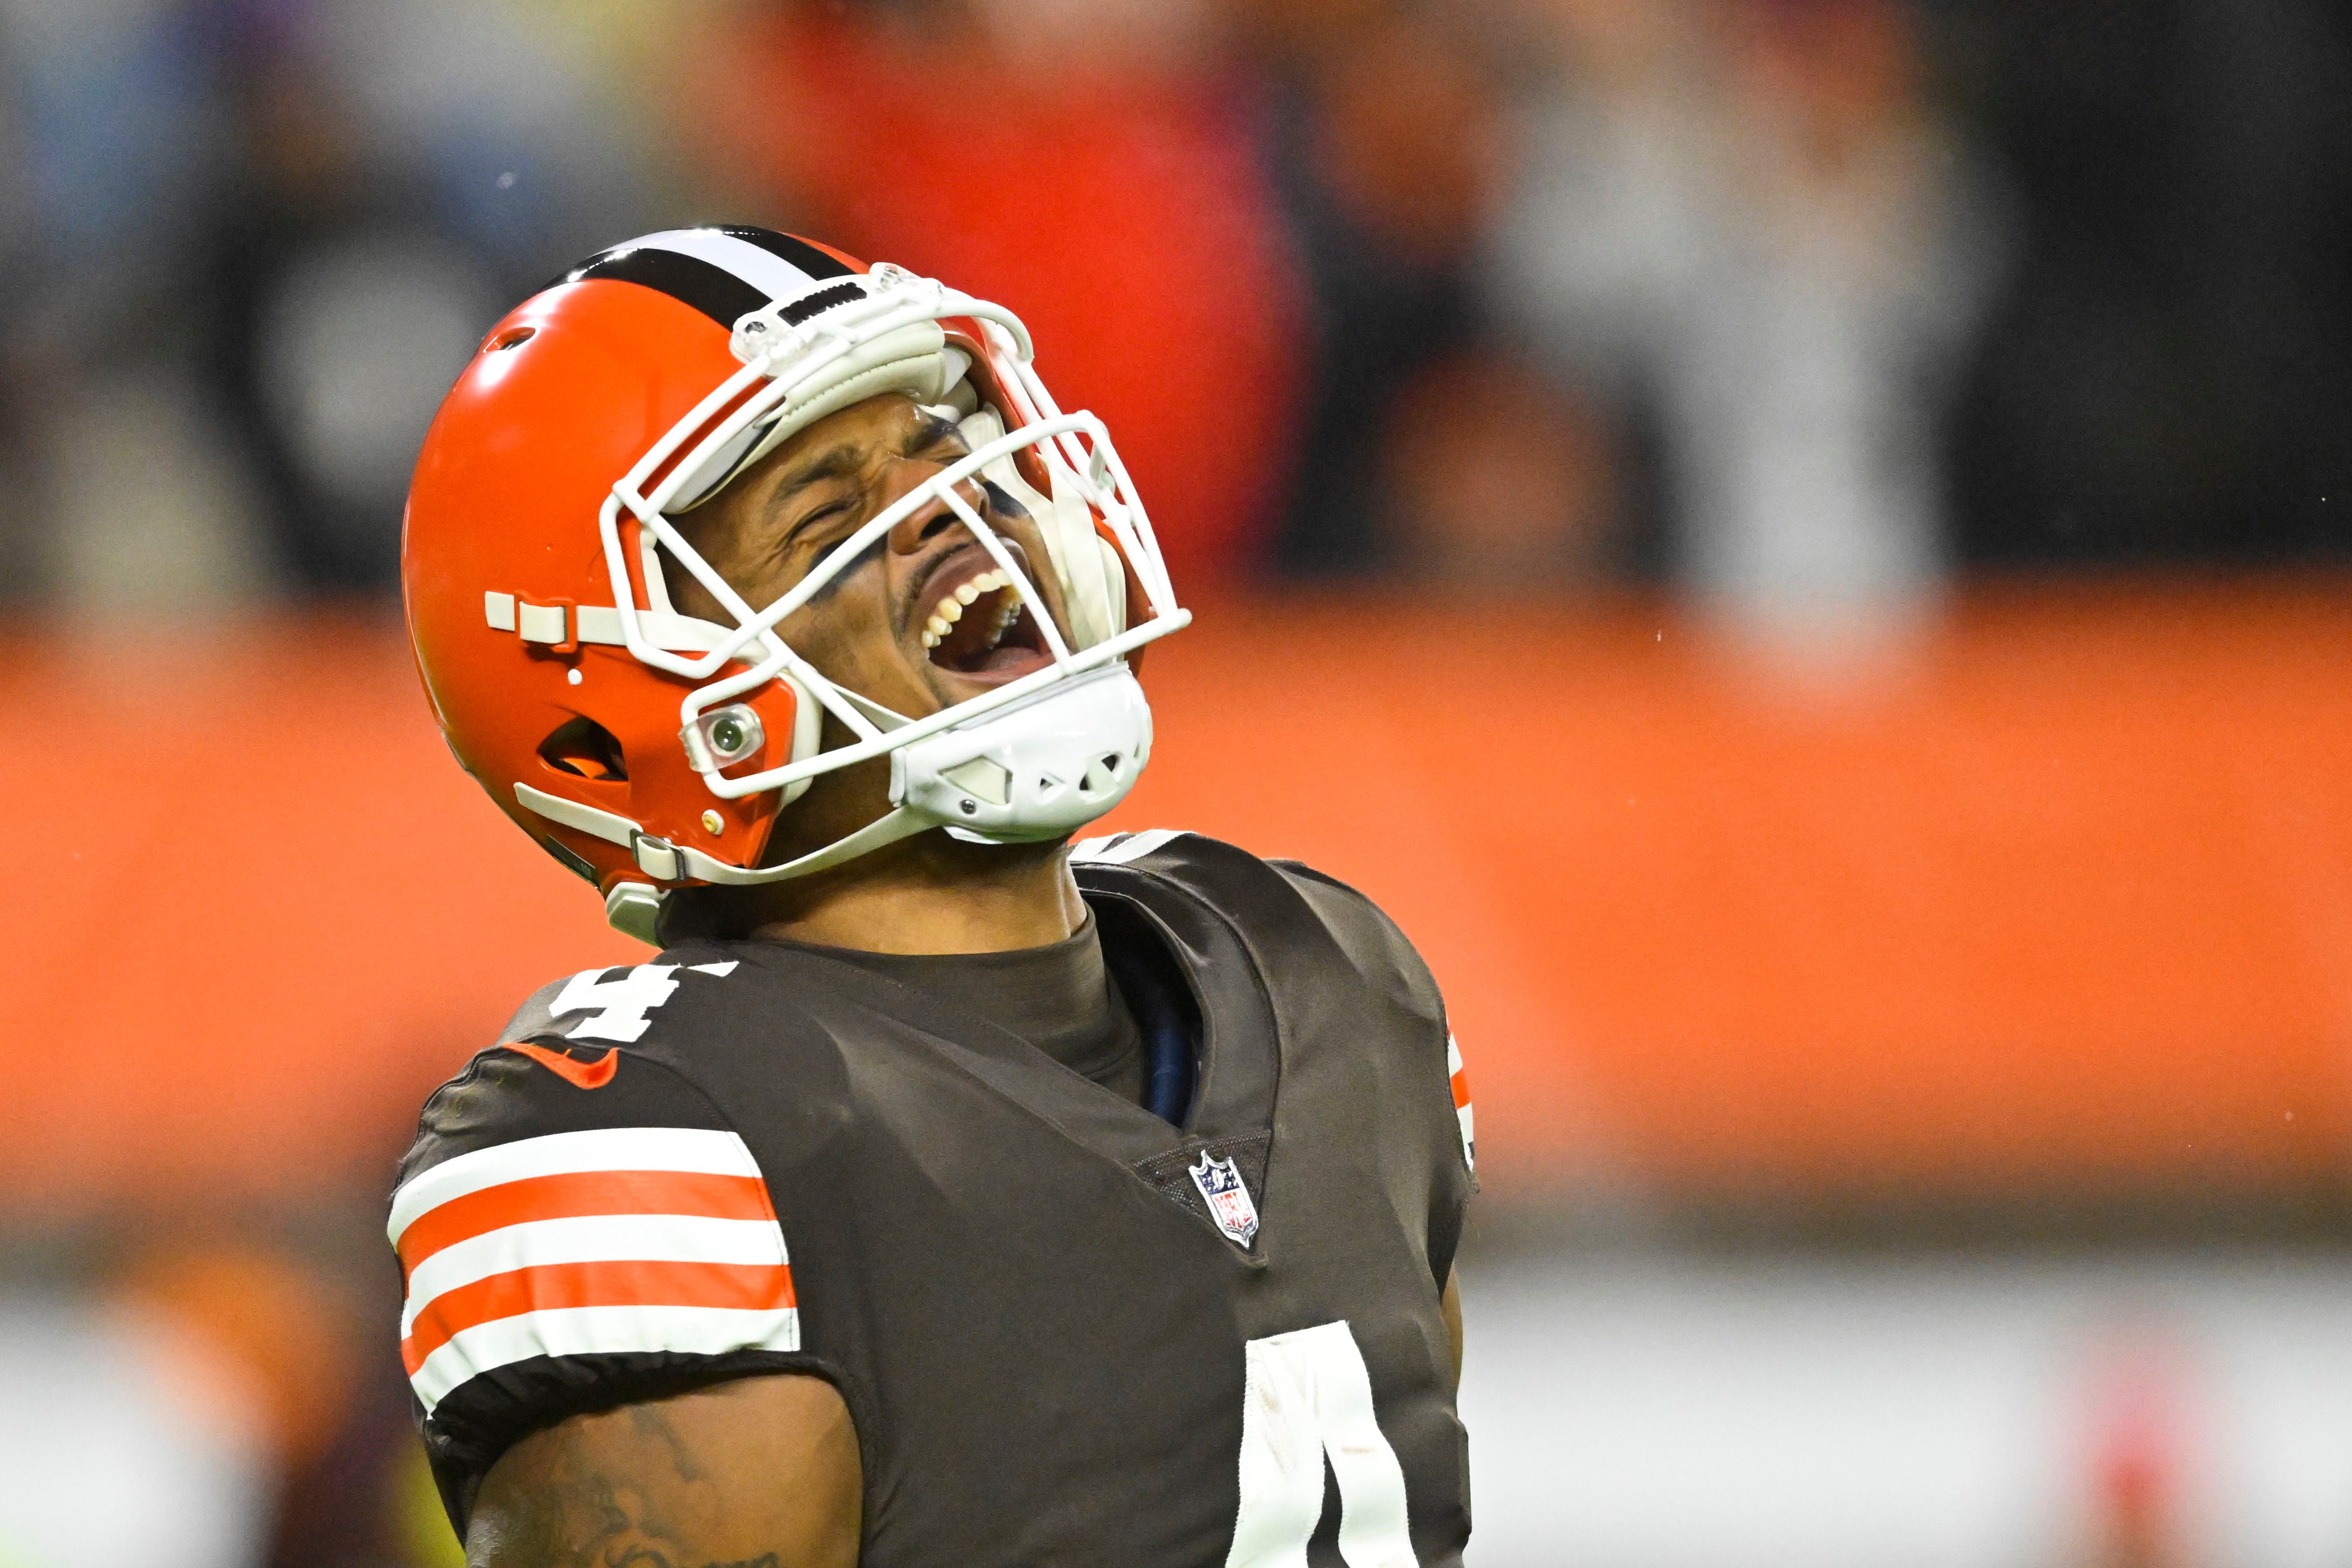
[[798, 252], [721, 272], [775, 277], [715, 291]]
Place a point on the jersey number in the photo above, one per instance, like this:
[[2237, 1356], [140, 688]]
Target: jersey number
[[621, 1006], [1308, 1397]]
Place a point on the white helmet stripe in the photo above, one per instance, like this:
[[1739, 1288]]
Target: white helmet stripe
[[770, 274]]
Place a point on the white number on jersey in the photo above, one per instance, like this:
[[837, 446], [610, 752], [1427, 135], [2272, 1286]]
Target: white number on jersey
[[1309, 1396], [621, 1005]]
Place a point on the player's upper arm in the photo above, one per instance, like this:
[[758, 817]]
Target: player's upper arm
[[578, 1231], [762, 1470]]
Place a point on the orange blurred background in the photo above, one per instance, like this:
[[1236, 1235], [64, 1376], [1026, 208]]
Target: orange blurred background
[[2056, 901]]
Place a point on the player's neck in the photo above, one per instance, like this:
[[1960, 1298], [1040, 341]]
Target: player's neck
[[932, 894]]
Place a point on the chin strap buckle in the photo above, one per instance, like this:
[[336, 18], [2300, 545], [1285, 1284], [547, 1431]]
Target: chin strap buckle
[[656, 857]]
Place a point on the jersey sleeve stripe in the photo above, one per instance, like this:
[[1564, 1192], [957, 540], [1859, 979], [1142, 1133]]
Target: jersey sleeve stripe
[[592, 1239], [684, 1149], [555, 1287], [601, 1330], [655, 1239], [1460, 1079], [576, 1194]]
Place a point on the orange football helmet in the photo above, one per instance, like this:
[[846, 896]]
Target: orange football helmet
[[646, 750]]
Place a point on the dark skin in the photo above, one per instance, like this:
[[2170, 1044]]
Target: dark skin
[[929, 893], [764, 1472], [758, 1473]]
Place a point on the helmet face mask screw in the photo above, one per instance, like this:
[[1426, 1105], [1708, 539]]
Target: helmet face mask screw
[[713, 822]]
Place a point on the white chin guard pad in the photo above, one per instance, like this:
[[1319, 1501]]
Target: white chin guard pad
[[915, 359], [1040, 768], [1093, 578]]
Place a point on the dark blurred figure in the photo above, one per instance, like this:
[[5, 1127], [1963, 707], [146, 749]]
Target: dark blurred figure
[[340, 312], [256, 238], [1747, 233], [1240, 231], [2169, 374], [111, 138], [1493, 477], [1386, 145], [1092, 168], [400, 172]]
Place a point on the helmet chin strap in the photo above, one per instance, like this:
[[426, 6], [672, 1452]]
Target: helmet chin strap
[[1033, 770]]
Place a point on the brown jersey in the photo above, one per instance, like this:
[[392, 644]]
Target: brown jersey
[[1068, 1332]]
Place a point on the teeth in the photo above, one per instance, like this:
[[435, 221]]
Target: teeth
[[950, 609]]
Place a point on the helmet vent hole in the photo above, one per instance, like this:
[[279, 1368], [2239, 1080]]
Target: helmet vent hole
[[512, 337], [582, 747]]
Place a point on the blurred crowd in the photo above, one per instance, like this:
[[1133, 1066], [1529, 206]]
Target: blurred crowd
[[1796, 307], [1793, 305]]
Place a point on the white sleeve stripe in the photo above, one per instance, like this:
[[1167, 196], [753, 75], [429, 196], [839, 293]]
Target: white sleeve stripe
[[595, 1238], [601, 1330], [691, 1149], [1453, 1057]]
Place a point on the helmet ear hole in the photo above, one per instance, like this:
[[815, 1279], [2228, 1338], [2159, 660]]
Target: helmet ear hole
[[582, 747]]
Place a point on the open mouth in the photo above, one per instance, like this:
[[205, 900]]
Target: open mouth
[[980, 627]]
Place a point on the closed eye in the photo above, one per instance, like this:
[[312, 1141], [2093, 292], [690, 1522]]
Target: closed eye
[[819, 530], [829, 508]]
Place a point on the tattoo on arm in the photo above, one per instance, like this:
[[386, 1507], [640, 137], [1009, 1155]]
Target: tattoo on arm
[[678, 1484], [570, 1514]]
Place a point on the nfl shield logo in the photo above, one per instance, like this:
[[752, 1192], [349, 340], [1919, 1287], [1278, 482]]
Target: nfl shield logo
[[1228, 1198]]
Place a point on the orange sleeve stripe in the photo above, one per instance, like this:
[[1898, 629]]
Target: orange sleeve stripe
[[1461, 1089], [752, 1287], [575, 1195]]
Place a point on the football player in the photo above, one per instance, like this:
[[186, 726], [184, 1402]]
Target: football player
[[942, 1196]]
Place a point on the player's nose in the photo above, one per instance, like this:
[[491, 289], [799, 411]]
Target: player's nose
[[934, 517]]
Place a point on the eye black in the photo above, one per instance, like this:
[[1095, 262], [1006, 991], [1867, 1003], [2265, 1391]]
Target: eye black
[[1002, 499]]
